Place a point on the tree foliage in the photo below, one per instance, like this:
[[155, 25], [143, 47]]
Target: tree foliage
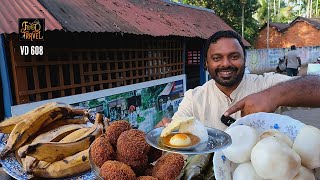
[[256, 12], [279, 12], [231, 12], [286, 11]]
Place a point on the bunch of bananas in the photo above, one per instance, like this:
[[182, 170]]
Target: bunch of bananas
[[51, 141]]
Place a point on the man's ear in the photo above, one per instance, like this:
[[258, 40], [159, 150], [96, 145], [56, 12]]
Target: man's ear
[[205, 65]]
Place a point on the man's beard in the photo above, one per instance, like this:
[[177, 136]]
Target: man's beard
[[228, 82]]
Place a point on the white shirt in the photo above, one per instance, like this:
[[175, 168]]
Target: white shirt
[[292, 57], [207, 103]]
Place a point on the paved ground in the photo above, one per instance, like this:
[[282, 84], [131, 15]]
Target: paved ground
[[303, 70], [307, 116]]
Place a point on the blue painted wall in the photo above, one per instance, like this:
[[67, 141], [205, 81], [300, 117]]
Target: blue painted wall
[[5, 78], [202, 70]]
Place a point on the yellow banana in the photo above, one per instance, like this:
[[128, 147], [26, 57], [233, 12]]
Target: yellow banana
[[7, 125], [31, 125], [31, 162], [53, 135], [62, 122], [70, 114], [69, 166], [55, 151], [58, 133], [84, 131], [74, 136], [56, 124]]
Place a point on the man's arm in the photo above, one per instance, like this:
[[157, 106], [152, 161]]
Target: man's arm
[[286, 59], [299, 92], [299, 60]]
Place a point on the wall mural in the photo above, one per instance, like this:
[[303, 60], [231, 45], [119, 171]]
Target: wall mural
[[143, 108], [142, 104]]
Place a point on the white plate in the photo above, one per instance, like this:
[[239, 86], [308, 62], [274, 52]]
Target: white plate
[[223, 168], [217, 141]]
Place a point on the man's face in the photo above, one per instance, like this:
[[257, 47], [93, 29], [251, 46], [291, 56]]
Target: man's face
[[225, 62]]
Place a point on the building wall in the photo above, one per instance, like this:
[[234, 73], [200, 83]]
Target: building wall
[[300, 34], [274, 40], [260, 61]]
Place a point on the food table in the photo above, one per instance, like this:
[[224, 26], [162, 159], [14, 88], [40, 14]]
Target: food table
[[310, 117]]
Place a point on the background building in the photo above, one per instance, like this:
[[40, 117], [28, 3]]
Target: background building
[[300, 32]]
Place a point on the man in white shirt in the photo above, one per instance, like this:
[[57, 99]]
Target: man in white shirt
[[231, 90], [293, 61]]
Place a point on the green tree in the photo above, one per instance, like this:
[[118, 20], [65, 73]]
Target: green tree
[[230, 12], [279, 11]]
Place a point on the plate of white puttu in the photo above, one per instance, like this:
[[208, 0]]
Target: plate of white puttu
[[269, 146]]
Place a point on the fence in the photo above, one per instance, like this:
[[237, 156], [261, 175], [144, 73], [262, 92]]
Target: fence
[[64, 72]]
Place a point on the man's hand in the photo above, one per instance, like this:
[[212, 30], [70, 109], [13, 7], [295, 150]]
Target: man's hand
[[258, 102], [163, 123]]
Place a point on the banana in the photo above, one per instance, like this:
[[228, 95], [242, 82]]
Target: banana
[[72, 112], [7, 125], [31, 125], [74, 136], [69, 166], [58, 133], [62, 122], [51, 136], [58, 123], [55, 151]]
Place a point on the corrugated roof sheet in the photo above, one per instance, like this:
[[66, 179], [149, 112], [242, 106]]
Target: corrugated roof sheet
[[12, 10], [313, 21], [279, 26], [283, 27], [151, 17]]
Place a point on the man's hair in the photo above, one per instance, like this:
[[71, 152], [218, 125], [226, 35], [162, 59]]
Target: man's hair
[[223, 34], [293, 47]]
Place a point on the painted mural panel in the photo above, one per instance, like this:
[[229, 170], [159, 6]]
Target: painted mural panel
[[143, 104], [143, 108]]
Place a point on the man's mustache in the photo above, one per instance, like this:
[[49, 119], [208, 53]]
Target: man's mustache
[[227, 69]]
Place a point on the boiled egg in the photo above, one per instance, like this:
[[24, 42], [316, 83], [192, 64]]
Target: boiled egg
[[180, 140]]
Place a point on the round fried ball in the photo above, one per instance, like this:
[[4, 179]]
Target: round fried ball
[[115, 170], [138, 165], [168, 167], [101, 151], [132, 144], [115, 129], [146, 178]]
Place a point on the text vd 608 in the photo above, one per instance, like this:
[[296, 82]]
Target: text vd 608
[[33, 50]]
